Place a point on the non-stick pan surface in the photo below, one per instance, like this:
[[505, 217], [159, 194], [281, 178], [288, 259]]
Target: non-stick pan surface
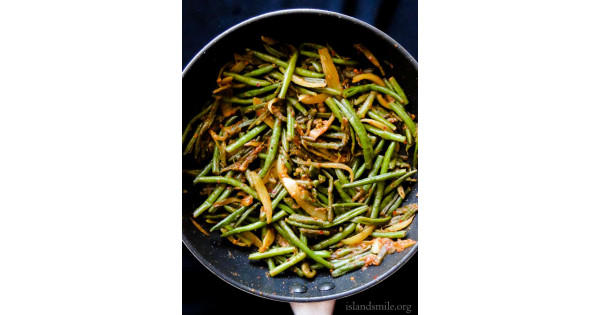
[[230, 262]]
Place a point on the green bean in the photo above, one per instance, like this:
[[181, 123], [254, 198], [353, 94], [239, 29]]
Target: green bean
[[287, 233], [274, 51], [394, 205], [401, 112], [287, 78], [347, 268], [358, 127], [338, 61], [260, 71], [316, 65], [289, 263], [375, 179], [251, 108], [344, 180], [222, 197], [245, 215], [327, 90], [385, 134], [372, 87], [270, 263], [281, 63], [398, 89], [259, 91], [232, 216], [272, 252], [306, 220], [209, 200], [273, 148], [247, 80], [188, 128], [399, 234], [290, 122], [313, 232], [228, 181], [205, 170], [398, 181], [371, 221], [216, 160], [348, 215], [381, 185], [387, 201], [338, 186], [303, 225], [409, 213], [254, 226], [374, 170], [380, 119], [247, 137], [334, 108], [335, 239], [347, 205], [364, 108]]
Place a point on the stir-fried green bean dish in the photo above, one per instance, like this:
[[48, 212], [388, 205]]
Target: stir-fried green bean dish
[[306, 155]]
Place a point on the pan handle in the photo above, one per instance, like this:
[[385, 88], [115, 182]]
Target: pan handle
[[323, 307]]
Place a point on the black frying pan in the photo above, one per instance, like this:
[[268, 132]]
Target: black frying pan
[[230, 262]]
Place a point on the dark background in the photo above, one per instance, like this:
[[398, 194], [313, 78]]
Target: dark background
[[203, 292]]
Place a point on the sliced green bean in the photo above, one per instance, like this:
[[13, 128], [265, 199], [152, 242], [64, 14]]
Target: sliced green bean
[[398, 89], [347, 268], [245, 138], [287, 233], [259, 91], [372, 87], [335, 239], [288, 263], [289, 71], [254, 226], [228, 181], [364, 108], [398, 181], [273, 148], [375, 179], [385, 134], [260, 71], [371, 221], [281, 63], [339, 61], [399, 234], [247, 80], [272, 252]]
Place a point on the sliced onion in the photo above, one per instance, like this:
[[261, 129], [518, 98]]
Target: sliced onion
[[331, 75], [360, 236], [263, 195], [369, 56], [199, 227], [267, 240], [368, 76], [297, 192], [315, 133], [399, 226], [249, 236], [248, 200], [312, 99], [227, 201], [238, 67], [328, 165], [375, 123], [383, 102]]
